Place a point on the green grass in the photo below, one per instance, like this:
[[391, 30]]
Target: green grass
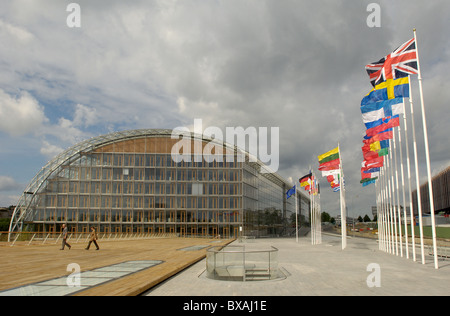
[[441, 232]]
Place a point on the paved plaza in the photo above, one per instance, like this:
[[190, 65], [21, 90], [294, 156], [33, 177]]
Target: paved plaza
[[319, 270]]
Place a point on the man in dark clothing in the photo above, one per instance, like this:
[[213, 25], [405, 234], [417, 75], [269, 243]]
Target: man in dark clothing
[[64, 241]]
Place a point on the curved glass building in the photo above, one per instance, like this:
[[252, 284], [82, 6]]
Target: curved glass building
[[128, 182]]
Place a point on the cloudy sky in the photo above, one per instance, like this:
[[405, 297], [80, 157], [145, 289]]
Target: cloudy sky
[[293, 64]]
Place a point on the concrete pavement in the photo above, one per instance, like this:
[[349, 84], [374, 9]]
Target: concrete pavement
[[319, 270]]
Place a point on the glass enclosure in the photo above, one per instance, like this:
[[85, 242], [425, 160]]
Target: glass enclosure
[[235, 263]]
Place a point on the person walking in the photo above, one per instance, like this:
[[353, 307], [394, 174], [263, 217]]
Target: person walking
[[93, 239], [65, 233]]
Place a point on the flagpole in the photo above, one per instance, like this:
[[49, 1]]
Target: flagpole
[[397, 189], [343, 215], [379, 216], [317, 208], [416, 165], [384, 210], [311, 202], [408, 165], [296, 214], [320, 215], [394, 208], [403, 188], [389, 205], [427, 154], [313, 209], [377, 194]]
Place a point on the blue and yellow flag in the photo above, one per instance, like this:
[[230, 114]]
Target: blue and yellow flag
[[387, 90]]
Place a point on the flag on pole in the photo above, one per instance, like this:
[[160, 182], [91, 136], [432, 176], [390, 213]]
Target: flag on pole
[[329, 164], [327, 173], [386, 135], [398, 64], [305, 181], [369, 181], [386, 124], [373, 163], [368, 175], [390, 89], [290, 192], [374, 113], [330, 160], [334, 183]]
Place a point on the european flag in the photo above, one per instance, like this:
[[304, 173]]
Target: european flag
[[290, 192]]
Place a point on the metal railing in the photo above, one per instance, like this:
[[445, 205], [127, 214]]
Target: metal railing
[[41, 238], [235, 263]]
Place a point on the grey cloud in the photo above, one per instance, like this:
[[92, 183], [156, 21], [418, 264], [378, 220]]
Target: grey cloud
[[297, 65]]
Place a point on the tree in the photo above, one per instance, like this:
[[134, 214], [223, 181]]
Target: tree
[[325, 217], [4, 224], [366, 219]]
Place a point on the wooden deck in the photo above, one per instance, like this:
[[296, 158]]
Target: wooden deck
[[23, 265]]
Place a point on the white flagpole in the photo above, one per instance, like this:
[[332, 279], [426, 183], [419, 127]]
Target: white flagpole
[[387, 206], [391, 204], [393, 208], [427, 154], [416, 165], [397, 189], [296, 214], [383, 208], [343, 213], [387, 221], [380, 213], [378, 199], [320, 215], [408, 165], [311, 210], [316, 220], [317, 208], [403, 188]]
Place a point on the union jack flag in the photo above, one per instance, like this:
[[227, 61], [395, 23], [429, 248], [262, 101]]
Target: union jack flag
[[398, 64]]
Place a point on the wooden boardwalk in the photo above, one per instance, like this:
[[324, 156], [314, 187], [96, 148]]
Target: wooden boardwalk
[[22, 265]]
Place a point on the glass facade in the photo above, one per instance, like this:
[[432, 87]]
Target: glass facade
[[267, 212], [132, 185]]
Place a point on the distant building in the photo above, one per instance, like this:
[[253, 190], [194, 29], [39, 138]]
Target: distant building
[[441, 194], [350, 220], [6, 212], [374, 211]]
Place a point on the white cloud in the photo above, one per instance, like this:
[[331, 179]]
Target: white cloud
[[24, 116], [7, 183], [50, 150], [15, 32], [85, 116], [20, 115]]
